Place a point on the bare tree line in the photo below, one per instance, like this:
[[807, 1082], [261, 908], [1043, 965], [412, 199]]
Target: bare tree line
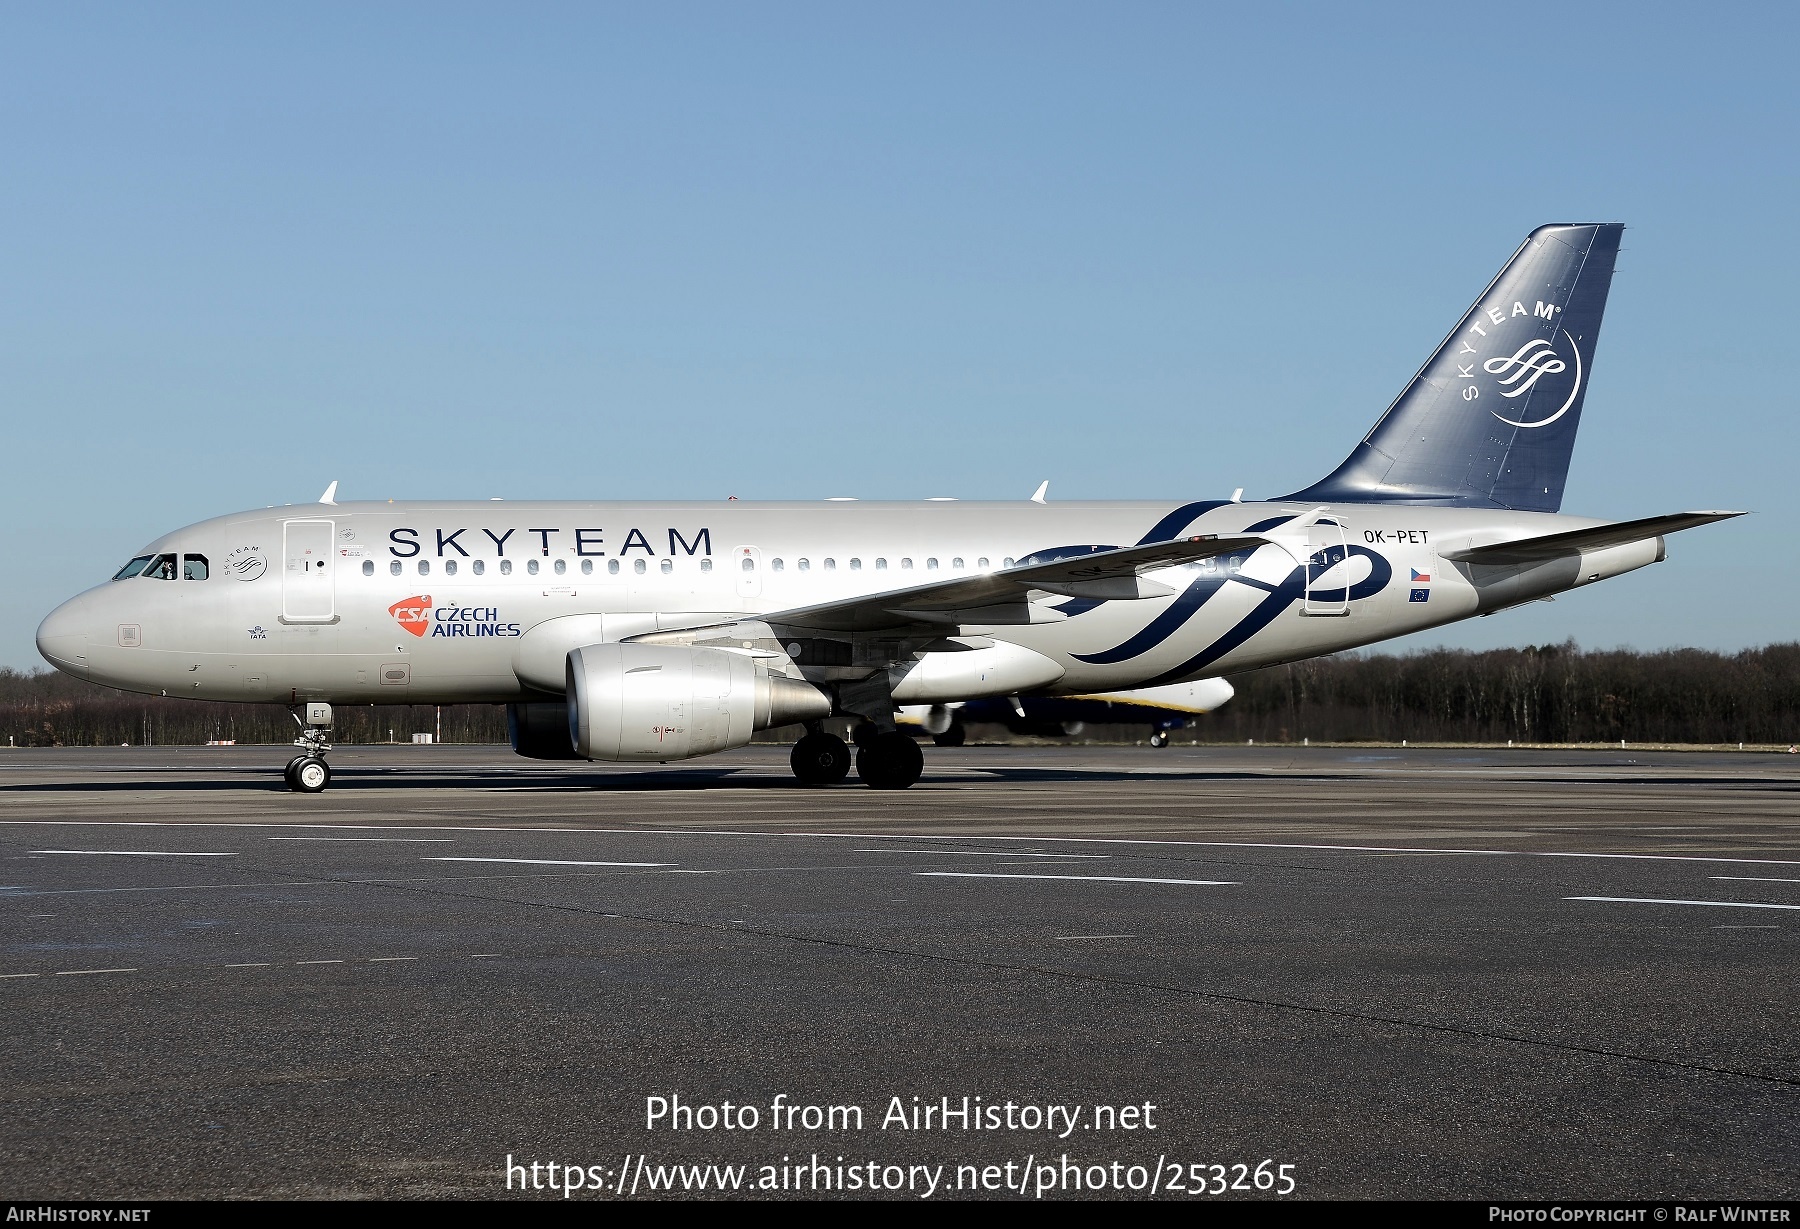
[[1546, 694]]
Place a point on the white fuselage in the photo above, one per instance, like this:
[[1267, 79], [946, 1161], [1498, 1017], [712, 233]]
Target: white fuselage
[[368, 603]]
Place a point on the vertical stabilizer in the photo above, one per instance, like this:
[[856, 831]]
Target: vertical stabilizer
[[1490, 419]]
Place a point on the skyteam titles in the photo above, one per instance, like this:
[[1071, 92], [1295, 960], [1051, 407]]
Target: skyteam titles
[[405, 543]]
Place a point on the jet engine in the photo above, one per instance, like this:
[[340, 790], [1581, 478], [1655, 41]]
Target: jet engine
[[659, 702], [540, 731]]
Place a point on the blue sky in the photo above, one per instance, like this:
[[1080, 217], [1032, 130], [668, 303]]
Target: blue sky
[[787, 251]]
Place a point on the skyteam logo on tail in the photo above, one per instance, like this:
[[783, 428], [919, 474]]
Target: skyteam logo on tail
[[1530, 363], [1520, 371]]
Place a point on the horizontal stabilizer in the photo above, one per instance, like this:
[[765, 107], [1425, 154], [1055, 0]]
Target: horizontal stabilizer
[[984, 598], [1573, 541]]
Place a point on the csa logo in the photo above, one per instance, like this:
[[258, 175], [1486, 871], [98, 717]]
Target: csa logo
[[412, 613]]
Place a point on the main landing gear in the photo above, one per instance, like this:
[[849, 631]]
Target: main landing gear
[[820, 758], [308, 773], [887, 759], [884, 760]]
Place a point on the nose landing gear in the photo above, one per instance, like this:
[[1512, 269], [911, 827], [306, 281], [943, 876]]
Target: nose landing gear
[[308, 773]]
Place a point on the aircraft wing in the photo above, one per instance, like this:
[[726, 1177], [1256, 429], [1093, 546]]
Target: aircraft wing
[[1550, 545], [1001, 598]]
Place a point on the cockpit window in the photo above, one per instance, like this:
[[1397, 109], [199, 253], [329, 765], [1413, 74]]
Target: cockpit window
[[161, 568], [194, 567], [134, 567]]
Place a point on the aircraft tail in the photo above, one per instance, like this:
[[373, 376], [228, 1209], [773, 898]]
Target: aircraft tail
[[1490, 420]]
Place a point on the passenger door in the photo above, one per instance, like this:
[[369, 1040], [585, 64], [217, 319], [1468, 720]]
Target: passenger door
[[308, 580], [1327, 571]]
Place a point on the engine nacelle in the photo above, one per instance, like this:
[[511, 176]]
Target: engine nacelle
[[540, 731], [656, 702]]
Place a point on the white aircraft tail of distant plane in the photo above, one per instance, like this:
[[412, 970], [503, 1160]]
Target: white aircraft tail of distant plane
[[664, 631]]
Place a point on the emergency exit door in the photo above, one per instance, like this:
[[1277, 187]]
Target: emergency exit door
[[308, 583]]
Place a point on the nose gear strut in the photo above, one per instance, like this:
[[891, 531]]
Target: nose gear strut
[[307, 773]]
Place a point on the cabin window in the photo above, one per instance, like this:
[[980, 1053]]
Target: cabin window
[[856, 565], [804, 565], [531, 566], [396, 567], [587, 567], [881, 565], [775, 565], [135, 567], [449, 567], [612, 567], [1006, 563], [637, 565], [561, 566], [668, 565], [706, 565], [831, 565], [193, 567], [906, 565], [931, 565], [424, 567], [981, 562], [506, 567], [368, 567], [479, 567]]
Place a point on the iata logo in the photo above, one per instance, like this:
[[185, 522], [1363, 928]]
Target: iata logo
[[412, 613]]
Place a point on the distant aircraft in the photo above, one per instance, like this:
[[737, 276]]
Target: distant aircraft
[[664, 631], [1165, 708]]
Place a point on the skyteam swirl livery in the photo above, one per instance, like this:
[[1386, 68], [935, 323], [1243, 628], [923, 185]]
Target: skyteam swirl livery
[[661, 632]]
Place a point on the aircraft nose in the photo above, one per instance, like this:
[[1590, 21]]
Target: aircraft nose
[[62, 638]]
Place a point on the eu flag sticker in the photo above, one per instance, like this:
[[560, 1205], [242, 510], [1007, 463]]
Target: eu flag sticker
[[1421, 595]]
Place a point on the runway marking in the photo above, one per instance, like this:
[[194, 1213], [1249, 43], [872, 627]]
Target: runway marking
[[85, 972], [311, 883], [137, 853], [318, 962], [985, 853], [1201, 883], [255, 964], [1647, 900], [545, 862], [4, 976], [413, 840], [1063, 938], [877, 836], [1744, 928], [1751, 879], [382, 959]]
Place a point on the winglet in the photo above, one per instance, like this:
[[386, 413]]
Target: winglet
[[330, 495], [1043, 489]]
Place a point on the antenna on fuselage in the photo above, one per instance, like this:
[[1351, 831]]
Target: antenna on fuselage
[[1237, 496], [1043, 489], [330, 495]]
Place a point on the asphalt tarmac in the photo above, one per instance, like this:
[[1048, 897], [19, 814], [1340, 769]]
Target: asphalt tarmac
[[1422, 974]]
